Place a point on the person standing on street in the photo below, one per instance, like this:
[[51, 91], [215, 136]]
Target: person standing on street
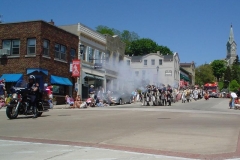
[[169, 97], [2, 89], [195, 94]]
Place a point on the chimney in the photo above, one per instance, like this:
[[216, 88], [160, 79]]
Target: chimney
[[51, 22], [158, 52]]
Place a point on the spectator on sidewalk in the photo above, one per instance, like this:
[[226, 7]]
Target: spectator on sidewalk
[[77, 102], [2, 89], [69, 100]]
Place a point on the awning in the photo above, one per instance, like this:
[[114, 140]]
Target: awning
[[93, 76], [11, 77], [61, 81], [30, 70], [184, 77]]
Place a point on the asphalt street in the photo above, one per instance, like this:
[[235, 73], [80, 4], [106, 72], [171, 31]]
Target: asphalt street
[[196, 130]]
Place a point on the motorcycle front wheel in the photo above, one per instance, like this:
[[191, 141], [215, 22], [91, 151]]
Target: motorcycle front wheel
[[11, 112]]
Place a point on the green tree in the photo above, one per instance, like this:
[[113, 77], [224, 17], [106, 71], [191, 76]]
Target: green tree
[[204, 74], [134, 45], [142, 46], [145, 46], [218, 67], [227, 77], [105, 30], [236, 61], [234, 85], [128, 37], [163, 50], [236, 70]]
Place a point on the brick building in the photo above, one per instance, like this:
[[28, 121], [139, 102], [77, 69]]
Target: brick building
[[38, 48]]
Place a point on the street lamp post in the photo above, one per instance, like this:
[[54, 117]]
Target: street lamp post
[[80, 76], [157, 74]]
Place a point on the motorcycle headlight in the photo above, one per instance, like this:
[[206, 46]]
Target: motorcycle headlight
[[14, 95]]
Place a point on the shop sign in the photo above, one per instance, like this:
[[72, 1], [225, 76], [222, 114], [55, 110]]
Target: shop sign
[[76, 68]]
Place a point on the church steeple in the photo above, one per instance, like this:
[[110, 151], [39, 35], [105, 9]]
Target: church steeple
[[231, 36], [231, 48]]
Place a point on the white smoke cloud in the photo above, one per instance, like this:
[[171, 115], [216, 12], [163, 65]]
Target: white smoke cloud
[[128, 81]]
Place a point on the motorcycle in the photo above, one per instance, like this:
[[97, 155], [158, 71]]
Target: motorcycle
[[20, 103]]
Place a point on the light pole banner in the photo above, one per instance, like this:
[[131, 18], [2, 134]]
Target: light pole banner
[[76, 68]]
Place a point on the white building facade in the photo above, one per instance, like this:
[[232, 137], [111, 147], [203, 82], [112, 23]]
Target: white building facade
[[100, 57], [155, 69]]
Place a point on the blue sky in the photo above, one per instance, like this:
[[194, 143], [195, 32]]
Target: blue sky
[[197, 29]]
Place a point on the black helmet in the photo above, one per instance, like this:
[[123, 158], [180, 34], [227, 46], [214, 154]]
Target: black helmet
[[31, 77]]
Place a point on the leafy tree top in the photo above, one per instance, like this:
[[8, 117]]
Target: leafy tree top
[[218, 68], [145, 46], [134, 45]]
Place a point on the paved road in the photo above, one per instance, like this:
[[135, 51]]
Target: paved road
[[196, 130]]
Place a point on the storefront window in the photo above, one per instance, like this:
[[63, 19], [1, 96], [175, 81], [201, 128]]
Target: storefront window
[[59, 90]]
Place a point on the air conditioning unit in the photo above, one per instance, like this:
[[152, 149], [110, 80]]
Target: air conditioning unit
[[4, 52]]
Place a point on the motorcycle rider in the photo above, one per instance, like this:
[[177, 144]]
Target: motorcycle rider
[[34, 93]]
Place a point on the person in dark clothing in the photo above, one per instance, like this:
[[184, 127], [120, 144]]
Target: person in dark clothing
[[34, 93], [169, 96], [2, 90]]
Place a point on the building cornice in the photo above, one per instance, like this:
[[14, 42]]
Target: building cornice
[[91, 34]]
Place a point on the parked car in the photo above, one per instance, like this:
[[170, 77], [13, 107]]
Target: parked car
[[120, 97]]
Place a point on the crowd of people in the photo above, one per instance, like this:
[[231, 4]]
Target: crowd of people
[[150, 95], [163, 96], [96, 98]]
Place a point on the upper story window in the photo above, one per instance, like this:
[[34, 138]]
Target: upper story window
[[153, 61], [145, 62], [97, 56], [136, 73], [31, 46], [12, 45], [60, 52], [90, 54], [73, 54], [160, 61], [84, 56], [128, 62], [46, 47]]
